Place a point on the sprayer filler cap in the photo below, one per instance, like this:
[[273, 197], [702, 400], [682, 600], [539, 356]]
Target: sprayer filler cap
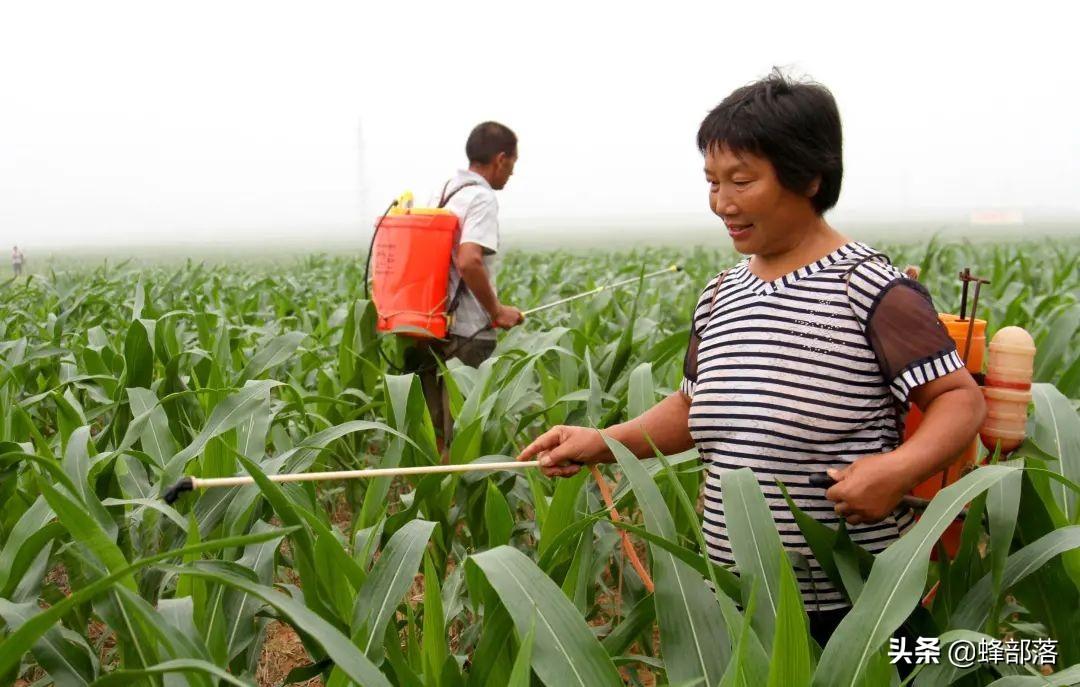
[[1014, 336]]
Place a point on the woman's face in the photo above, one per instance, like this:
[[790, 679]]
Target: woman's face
[[762, 217]]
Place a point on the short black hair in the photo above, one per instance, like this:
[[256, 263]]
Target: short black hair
[[487, 140], [794, 125]]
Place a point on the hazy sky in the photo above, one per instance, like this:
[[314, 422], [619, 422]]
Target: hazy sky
[[144, 121]]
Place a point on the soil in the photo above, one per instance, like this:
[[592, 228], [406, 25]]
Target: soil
[[281, 653]]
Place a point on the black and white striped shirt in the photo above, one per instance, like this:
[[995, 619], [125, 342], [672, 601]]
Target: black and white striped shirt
[[795, 376]]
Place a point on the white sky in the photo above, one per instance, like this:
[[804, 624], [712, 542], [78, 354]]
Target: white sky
[[137, 122]]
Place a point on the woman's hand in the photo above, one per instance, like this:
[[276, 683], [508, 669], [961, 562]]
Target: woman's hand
[[563, 449], [869, 489]]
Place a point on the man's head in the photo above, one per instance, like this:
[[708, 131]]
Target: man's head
[[492, 152]]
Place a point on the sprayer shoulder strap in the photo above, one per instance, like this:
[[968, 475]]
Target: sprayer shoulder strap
[[715, 292], [444, 198], [899, 409]]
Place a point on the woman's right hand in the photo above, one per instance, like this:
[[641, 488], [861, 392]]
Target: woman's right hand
[[563, 449]]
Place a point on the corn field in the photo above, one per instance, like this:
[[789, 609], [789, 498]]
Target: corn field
[[115, 381]]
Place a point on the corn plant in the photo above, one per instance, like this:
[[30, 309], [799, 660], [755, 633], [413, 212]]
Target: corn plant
[[117, 380]]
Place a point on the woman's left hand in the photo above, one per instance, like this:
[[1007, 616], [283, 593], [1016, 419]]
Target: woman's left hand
[[869, 489]]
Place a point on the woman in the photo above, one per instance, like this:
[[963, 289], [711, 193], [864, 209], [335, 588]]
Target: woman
[[804, 355]]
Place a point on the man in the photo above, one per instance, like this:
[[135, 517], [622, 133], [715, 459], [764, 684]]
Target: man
[[17, 260], [474, 303]]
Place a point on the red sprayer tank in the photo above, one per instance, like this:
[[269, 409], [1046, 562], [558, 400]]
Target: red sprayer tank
[[411, 270]]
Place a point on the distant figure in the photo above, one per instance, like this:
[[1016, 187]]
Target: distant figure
[[492, 150], [17, 260]]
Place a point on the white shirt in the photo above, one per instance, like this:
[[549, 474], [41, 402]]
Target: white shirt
[[478, 222]]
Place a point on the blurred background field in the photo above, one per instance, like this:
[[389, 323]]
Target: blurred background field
[[592, 235]]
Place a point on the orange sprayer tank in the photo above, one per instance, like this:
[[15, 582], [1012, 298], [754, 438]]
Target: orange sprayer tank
[[411, 271], [958, 332], [1008, 388]]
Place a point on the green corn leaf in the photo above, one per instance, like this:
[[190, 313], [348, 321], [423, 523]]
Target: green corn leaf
[[562, 510], [21, 640], [275, 352], [640, 617], [303, 543], [157, 440], [241, 608], [626, 339], [755, 544], [1052, 348], [122, 677], [565, 651], [77, 464], [434, 639], [138, 355], [974, 608], [728, 581], [30, 535], [226, 415], [642, 394], [1064, 678], [378, 598], [497, 517], [1057, 432], [790, 662], [520, 676], [1002, 506], [895, 584], [347, 657], [579, 577], [693, 636], [86, 531], [69, 664]]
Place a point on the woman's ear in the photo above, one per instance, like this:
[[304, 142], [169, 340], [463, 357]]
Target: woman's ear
[[814, 187]]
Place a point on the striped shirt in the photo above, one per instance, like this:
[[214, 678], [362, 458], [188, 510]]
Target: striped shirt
[[808, 372]]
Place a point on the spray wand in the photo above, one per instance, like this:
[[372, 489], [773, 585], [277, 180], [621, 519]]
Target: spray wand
[[191, 483], [598, 289]]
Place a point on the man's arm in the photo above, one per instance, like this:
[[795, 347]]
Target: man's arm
[[470, 264]]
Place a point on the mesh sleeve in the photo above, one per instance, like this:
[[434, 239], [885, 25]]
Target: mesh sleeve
[[699, 320], [911, 344], [689, 367]]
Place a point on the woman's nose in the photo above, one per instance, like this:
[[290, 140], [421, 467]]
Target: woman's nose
[[722, 205]]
